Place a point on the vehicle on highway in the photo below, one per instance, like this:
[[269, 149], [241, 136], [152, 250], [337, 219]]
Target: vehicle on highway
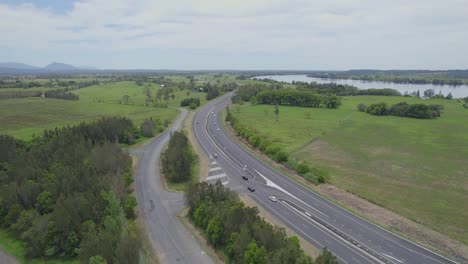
[[218, 129], [308, 214], [245, 178], [215, 155], [252, 189], [273, 199]]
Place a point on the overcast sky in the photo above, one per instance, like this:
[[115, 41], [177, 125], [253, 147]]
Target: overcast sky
[[237, 34]]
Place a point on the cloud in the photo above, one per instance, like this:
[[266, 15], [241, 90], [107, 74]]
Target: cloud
[[340, 33]]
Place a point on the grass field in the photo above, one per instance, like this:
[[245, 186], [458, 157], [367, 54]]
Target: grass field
[[417, 168], [27, 116], [113, 93], [16, 248]]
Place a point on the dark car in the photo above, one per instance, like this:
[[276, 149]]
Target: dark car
[[252, 189], [245, 177]]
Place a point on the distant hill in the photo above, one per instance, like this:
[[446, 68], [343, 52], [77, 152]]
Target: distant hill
[[21, 68], [57, 66], [87, 68], [17, 65]]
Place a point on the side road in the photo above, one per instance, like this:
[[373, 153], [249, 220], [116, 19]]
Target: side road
[[159, 208]]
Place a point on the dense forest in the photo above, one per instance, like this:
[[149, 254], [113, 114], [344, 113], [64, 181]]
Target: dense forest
[[239, 233], [403, 109], [66, 193]]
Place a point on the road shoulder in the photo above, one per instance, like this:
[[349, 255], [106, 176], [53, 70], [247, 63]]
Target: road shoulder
[[376, 214]]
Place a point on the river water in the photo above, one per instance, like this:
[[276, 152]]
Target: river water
[[459, 91]]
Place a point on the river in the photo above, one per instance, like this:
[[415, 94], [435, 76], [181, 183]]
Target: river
[[459, 91]]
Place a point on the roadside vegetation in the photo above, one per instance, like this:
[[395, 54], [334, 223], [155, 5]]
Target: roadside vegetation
[[67, 193], [238, 233], [415, 167], [179, 161]]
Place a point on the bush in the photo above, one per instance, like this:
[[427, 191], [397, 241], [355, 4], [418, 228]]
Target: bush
[[281, 156], [361, 107], [272, 149], [292, 164], [302, 169]]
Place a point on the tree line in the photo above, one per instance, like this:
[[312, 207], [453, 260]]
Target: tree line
[[192, 102], [61, 94], [67, 193], [19, 94], [239, 233], [177, 160], [298, 98], [403, 109]]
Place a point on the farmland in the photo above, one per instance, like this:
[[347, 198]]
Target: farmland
[[414, 167]]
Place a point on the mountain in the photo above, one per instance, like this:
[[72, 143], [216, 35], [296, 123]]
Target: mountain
[[87, 68], [16, 65], [57, 66]]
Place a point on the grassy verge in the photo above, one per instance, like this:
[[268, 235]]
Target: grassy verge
[[376, 214], [16, 248]]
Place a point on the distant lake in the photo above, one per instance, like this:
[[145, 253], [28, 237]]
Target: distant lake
[[458, 91]]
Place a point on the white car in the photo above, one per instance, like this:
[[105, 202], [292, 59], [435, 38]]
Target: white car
[[273, 199], [308, 214], [218, 129]]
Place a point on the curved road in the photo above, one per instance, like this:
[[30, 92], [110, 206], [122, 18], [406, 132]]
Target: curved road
[[159, 208], [351, 238]]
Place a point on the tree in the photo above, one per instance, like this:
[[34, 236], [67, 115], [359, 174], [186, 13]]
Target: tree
[[97, 260], [215, 231], [147, 128], [276, 111], [254, 254], [326, 257], [361, 107], [449, 96], [332, 101], [177, 160], [429, 93], [125, 99]]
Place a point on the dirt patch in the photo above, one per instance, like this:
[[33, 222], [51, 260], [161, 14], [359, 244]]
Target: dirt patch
[[203, 159], [308, 248], [384, 217], [7, 259]]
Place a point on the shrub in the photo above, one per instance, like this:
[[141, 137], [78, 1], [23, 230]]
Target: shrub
[[302, 169], [272, 149], [292, 164], [281, 156], [361, 107]]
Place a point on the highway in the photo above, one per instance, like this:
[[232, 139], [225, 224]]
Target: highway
[[324, 224]]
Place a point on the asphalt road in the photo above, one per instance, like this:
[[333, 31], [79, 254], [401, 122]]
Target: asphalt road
[[159, 208], [351, 238]]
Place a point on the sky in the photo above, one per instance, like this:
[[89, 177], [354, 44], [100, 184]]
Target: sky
[[237, 34]]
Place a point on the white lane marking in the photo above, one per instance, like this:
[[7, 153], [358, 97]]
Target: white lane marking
[[216, 176], [215, 169], [388, 256], [335, 236], [276, 186]]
